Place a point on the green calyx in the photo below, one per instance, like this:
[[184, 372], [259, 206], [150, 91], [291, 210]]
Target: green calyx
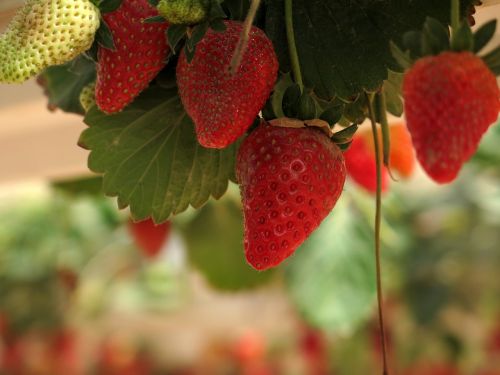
[[435, 38], [45, 33], [184, 12]]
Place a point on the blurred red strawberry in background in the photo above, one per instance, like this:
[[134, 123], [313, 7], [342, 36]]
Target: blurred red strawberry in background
[[148, 236]]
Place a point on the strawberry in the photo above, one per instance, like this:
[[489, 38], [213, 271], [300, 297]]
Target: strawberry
[[45, 33], [148, 236], [450, 101], [224, 106], [140, 53], [290, 179], [361, 164], [402, 156], [184, 12], [87, 96]]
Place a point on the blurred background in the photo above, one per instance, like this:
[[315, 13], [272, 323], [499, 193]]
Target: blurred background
[[85, 291]]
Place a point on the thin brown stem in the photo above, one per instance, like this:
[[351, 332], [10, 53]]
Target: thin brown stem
[[378, 219], [242, 45]]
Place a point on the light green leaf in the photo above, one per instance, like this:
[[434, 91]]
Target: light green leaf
[[331, 278]]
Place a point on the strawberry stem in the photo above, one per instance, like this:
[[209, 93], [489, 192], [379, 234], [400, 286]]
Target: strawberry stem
[[378, 219], [455, 15], [381, 104], [241, 47], [292, 47]]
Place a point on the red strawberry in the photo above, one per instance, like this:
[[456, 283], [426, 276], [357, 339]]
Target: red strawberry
[[402, 156], [148, 236], [141, 52], [290, 179], [450, 101], [361, 164], [224, 106]]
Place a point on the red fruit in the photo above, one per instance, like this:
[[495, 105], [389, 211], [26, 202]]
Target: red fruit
[[402, 156], [361, 165], [141, 52], [450, 101], [290, 179], [224, 106], [148, 236]]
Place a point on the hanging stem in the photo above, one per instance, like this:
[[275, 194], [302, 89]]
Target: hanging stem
[[381, 104], [455, 15], [378, 219], [242, 45], [292, 47]]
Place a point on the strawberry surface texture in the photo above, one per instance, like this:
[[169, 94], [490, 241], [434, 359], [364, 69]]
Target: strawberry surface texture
[[222, 105], [45, 33], [450, 101], [140, 53], [290, 180]]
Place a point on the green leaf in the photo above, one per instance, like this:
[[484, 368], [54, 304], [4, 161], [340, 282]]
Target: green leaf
[[215, 246], [332, 114], [64, 83], [484, 34], [108, 6], [151, 159], [104, 36], [343, 47], [331, 277]]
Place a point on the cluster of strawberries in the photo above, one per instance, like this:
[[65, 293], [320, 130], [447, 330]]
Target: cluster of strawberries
[[290, 177]]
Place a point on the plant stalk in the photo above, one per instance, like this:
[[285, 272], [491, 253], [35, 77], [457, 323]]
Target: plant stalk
[[378, 219], [292, 47]]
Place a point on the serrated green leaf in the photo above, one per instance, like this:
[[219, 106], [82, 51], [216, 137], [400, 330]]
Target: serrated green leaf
[[151, 159], [64, 83], [331, 277], [104, 37], [108, 6], [175, 33], [215, 246], [484, 34], [343, 47]]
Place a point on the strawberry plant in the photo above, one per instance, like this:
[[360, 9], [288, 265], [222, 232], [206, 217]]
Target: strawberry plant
[[183, 97]]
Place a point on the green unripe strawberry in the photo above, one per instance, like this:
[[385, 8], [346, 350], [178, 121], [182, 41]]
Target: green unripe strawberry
[[87, 96], [184, 12], [45, 33]]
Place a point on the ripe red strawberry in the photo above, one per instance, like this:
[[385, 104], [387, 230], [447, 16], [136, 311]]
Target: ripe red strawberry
[[141, 52], [290, 179], [224, 106], [361, 166], [148, 236], [450, 101]]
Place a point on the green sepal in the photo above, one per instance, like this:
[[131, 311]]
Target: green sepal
[[412, 40], [356, 112], [275, 101], [344, 146], [435, 37], [197, 34], [155, 19], [492, 60], [218, 25], [484, 34], [306, 107], [104, 37], [153, 3], [175, 33], [345, 135], [403, 58], [291, 101], [216, 11], [392, 90], [333, 114], [462, 39], [108, 6]]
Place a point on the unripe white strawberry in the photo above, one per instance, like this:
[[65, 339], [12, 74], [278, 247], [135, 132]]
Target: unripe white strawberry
[[45, 33]]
